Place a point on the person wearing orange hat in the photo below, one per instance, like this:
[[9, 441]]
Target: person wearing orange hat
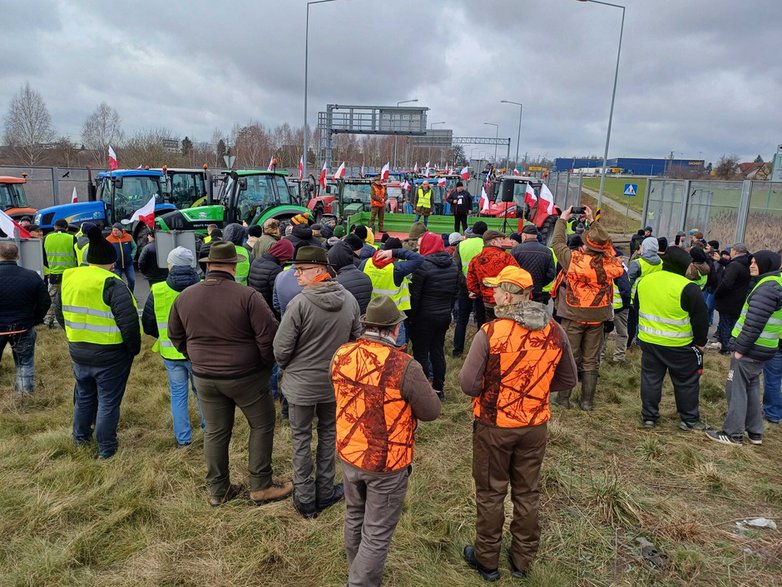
[[513, 364]]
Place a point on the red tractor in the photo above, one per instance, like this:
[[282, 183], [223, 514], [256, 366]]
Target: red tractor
[[518, 208]]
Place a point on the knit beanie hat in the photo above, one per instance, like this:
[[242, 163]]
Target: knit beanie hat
[[417, 230], [339, 231], [392, 243], [180, 256], [283, 250], [454, 238], [767, 261], [361, 232], [118, 226], [100, 251], [255, 231], [354, 241]]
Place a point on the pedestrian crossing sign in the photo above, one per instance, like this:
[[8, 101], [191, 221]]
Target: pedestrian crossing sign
[[631, 189]]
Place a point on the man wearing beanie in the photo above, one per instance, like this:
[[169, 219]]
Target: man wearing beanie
[[254, 233], [154, 320], [367, 250], [417, 230], [125, 247], [58, 254], [754, 340], [461, 204], [492, 259], [101, 324], [271, 234], [465, 251]]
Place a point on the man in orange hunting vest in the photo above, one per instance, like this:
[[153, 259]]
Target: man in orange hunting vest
[[381, 394]]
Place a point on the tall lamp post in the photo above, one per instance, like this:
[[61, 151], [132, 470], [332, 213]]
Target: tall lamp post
[[613, 97], [518, 136], [398, 104], [306, 77], [496, 135], [431, 126]]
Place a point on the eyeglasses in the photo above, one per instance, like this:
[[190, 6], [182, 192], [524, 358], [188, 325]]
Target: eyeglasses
[[298, 269]]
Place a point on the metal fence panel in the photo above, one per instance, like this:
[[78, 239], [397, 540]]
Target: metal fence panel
[[665, 209], [713, 208], [48, 186], [764, 225]]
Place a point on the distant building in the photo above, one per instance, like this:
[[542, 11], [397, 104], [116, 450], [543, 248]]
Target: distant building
[[630, 165]]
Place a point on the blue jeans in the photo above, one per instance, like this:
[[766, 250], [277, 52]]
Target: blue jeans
[[772, 398], [96, 398], [426, 219], [179, 373], [23, 351], [724, 328], [709, 297], [130, 273], [401, 339]]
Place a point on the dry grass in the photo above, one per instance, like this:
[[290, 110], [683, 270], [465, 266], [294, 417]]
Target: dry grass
[[142, 517]]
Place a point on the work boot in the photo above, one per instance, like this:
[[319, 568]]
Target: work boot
[[563, 399], [336, 496], [275, 492], [588, 385]]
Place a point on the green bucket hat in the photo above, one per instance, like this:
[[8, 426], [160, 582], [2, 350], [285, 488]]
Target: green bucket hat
[[382, 313], [311, 256]]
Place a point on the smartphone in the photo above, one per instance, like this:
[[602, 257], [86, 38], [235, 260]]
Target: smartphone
[[579, 210]]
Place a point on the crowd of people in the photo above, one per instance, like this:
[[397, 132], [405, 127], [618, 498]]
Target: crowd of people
[[348, 334]]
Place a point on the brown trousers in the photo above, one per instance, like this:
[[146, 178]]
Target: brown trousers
[[380, 212], [501, 456], [586, 340]]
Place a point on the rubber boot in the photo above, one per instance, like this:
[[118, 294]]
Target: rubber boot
[[563, 399], [588, 385]]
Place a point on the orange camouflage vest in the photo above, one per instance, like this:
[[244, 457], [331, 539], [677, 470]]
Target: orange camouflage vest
[[375, 424], [518, 374], [590, 280]]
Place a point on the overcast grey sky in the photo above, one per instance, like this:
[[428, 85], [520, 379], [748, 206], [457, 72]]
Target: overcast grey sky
[[697, 77]]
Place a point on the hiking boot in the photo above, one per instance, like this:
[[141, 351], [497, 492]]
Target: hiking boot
[[274, 492], [233, 492], [588, 386], [714, 346], [694, 425], [336, 496], [440, 394], [724, 438], [755, 438], [306, 509], [563, 399], [470, 559], [515, 572], [650, 424]]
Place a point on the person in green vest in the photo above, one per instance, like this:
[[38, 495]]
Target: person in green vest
[[699, 269], [423, 202], [673, 323], [209, 229], [154, 320], [101, 323], [470, 247], [58, 256], [82, 243], [646, 261], [236, 233], [754, 340]]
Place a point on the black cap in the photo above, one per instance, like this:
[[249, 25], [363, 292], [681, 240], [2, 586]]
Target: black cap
[[354, 242], [392, 243], [529, 229], [479, 228], [459, 184], [100, 251], [59, 223]]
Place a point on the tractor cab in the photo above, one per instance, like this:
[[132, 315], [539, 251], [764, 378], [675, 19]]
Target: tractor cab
[[13, 200], [186, 187], [124, 192]]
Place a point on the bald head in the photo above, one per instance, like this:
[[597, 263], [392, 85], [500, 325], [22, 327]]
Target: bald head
[[8, 252]]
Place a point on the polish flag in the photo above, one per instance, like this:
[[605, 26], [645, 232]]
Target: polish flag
[[441, 182], [113, 161], [270, 167], [405, 186], [516, 171], [465, 173], [415, 167], [548, 198], [484, 199], [529, 196], [301, 168], [323, 173], [8, 225], [74, 196], [426, 171], [146, 213], [340, 171], [361, 173], [384, 173]]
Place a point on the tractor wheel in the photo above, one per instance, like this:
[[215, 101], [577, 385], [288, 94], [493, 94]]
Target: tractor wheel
[[547, 229], [140, 237]]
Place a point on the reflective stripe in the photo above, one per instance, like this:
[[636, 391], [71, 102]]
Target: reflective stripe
[[668, 333], [66, 255], [672, 322], [166, 343], [162, 325], [88, 311], [91, 327], [387, 292], [774, 322]]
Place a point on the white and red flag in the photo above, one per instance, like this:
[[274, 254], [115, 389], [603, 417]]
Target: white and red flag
[[74, 196], [384, 173], [146, 213], [301, 167], [465, 173], [8, 225], [340, 171], [415, 167], [516, 171], [548, 198], [426, 170], [361, 173], [270, 167], [113, 161], [323, 173], [441, 182], [529, 196]]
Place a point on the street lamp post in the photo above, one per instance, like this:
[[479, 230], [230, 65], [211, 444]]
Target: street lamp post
[[431, 126], [395, 136], [613, 97], [496, 136], [306, 74], [518, 136]]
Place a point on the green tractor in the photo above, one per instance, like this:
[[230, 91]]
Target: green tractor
[[244, 196]]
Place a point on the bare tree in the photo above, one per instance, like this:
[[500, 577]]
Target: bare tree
[[66, 152], [148, 148], [727, 167], [101, 129], [28, 126]]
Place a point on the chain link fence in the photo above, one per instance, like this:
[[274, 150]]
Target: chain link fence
[[49, 186], [566, 188]]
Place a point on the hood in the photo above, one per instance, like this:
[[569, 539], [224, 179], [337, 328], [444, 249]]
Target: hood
[[441, 259], [302, 232], [430, 243], [234, 233], [181, 277], [677, 260], [329, 296], [767, 261], [380, 263], [531, 315], [341, 255], [649, 251]]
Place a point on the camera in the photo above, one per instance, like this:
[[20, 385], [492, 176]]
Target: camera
[[578, 210]]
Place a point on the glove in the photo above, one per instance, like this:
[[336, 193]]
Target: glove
[[608, 327]]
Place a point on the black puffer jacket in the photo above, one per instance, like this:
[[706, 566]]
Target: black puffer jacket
[[356, 282], [763, 302], [147, 264], [301, 236], [24, 299], [263, 272], [178, 279], [538, 260], [433, 289], [733, 288]]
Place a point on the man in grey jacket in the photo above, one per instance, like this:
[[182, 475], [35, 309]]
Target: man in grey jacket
[[315, 324]]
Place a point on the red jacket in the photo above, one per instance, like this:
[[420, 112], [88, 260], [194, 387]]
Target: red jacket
[[488, 263]]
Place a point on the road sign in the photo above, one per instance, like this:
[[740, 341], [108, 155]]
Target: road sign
[[631, 189], [229, 160]]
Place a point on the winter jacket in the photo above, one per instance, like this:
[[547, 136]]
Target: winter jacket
[[733, 288], [488, 263], [649, 253], [225, 329], [763, 301], [125, 247], [316, 323], [461, 203], [117, 296], [623, 284], [410, 262], [538, 260], [263, 271], [433, 289], [301, 236], [178, 279], [263, 244], [24, 299], [147, 264], [285, 289], [356, 282], [366, 251]]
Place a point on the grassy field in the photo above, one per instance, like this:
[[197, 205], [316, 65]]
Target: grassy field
[[615, 187], [142, 517]]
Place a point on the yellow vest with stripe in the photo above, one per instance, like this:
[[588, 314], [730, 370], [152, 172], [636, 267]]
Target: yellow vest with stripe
[[701, 281], [661, 319], [59, 252], [772, 331], [547, 288], [164, 297], [468, 249], [208, 239], [646, 269], [87, 317], [424, 199], [383, 284], [243, 267]]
